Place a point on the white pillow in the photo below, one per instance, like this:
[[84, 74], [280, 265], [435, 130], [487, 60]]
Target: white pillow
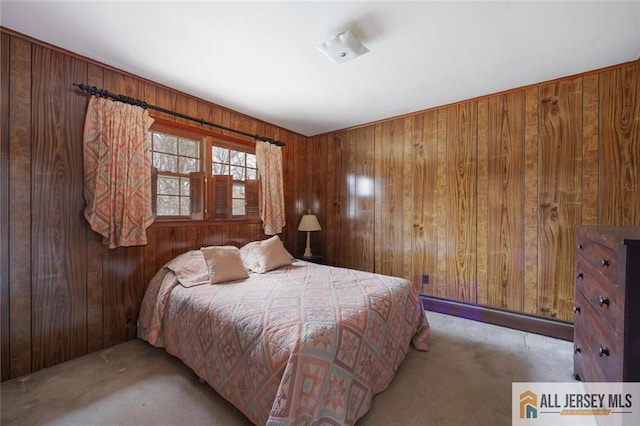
[[271, 254], [189, 268], [224, 263], [248, 256]]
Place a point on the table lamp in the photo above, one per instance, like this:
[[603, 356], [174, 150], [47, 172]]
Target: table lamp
[[309, 223]]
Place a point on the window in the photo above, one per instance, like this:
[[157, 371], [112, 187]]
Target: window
[[238, 171], [189, 184], [174, 158]]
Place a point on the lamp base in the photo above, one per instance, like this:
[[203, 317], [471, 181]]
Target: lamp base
[[307, 250]]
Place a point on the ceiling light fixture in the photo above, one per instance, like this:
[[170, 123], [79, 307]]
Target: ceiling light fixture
[[343, 47]]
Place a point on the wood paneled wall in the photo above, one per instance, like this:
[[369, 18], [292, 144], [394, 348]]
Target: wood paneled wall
[[484, 196], [63, 293]]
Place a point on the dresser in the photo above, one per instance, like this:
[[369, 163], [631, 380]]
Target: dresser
[[607, 304]]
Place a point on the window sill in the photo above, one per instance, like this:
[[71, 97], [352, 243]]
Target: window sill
[[170, 223]]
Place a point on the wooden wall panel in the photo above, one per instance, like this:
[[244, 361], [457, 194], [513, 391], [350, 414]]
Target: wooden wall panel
[[5, 49], [95, 328], [20, 270], [559, 193], [122, 278], [58, 255], [620, 146], [424, 140], [378, 192], [337, 170], [352, 196], [505, 212], [389, 173], [442, 198], [482, 211], [590, 153], [462, 201], [358, 199], [295, 176], [407, 198], [314, 194], [365, 201], [531, 164]]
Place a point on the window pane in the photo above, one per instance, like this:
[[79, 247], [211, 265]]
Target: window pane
[[188, 165], [220, 169], [238, 208], [238, 190], [237, 173], [185, 208], [185, 187], [252, 174], [189, 148], [220, 155], [168, 185], [237, 158], [167, 206], [251, 160], [165, 162], [165, 143]]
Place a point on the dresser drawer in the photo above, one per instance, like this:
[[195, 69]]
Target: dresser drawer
[[600, 292], [598, 348], [585, 366], [601, 258]]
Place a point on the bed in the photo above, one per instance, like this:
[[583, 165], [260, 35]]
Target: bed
[[296, 343]]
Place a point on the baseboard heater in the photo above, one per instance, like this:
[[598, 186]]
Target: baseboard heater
[[516, 320]]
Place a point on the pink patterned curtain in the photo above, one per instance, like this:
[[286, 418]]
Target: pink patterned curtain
[[269, 159], [117, 172]]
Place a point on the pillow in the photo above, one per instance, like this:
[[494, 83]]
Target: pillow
[[271, 254], [248, 256], [224, 263], [190, 269]]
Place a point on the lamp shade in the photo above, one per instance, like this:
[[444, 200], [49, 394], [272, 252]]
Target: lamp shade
[[309, 222]]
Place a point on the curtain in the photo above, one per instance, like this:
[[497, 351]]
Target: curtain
[[269, 159], [117, 172]]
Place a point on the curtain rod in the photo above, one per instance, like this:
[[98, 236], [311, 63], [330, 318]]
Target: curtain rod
[[131, 101]]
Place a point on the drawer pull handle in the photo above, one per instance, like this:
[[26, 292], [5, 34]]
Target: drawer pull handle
[[606, 263], [580, 246], [603, 351], [579, 275], [603, 301], [576, 309], [577, 349]]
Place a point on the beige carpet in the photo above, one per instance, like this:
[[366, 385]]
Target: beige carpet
[[465, 379]]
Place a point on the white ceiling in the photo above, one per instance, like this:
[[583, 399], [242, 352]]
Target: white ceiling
[[258, 58]]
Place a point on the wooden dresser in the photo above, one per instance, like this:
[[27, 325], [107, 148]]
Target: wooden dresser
[[607, 307]]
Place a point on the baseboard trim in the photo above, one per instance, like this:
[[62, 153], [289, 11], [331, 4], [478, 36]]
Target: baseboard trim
[[529, 323]]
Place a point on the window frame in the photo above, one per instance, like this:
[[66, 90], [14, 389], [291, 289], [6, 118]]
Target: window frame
[[206, 179]]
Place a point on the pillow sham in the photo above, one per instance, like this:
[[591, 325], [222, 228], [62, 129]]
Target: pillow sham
[[224, 264], [248, 256], [271, 254], [189, 268]]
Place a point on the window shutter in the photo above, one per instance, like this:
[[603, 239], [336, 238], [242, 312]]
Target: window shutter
[[196, 197], [252, 198], [221, 188], [154, 191]]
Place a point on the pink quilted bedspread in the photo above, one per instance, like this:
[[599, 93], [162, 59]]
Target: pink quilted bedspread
[[304, 344]]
